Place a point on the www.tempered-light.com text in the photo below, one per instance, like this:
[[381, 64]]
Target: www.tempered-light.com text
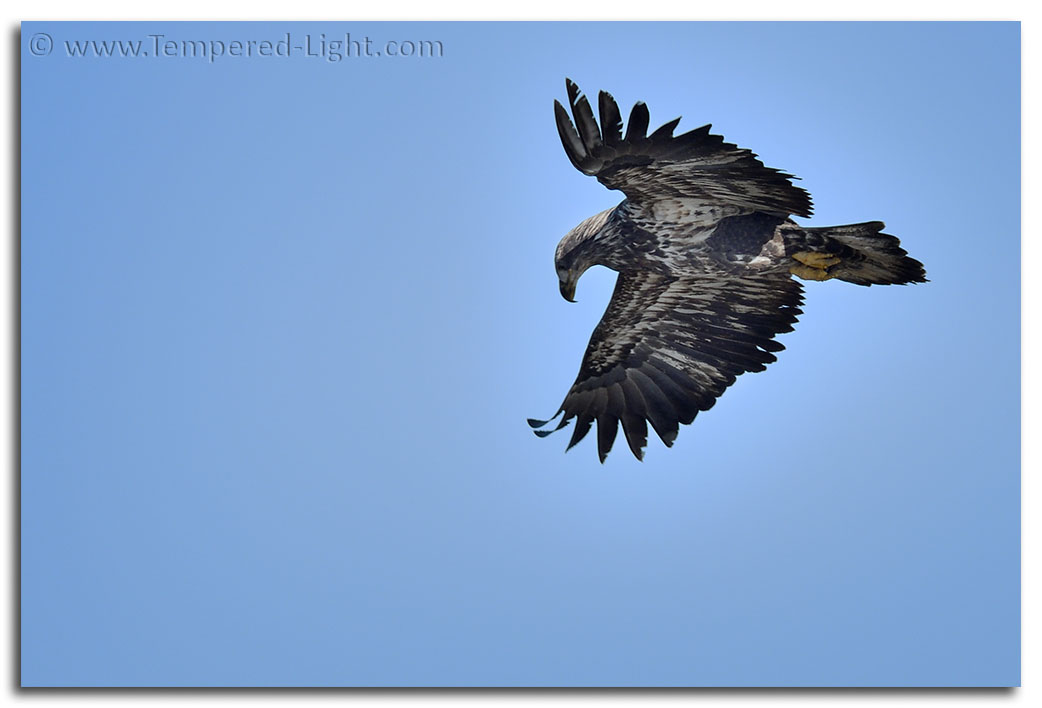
[[330, 49]]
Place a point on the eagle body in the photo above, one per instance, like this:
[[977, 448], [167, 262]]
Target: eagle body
[[681, 236], [707, 255]]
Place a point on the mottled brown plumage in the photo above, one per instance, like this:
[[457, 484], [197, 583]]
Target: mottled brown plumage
[[706, 252]]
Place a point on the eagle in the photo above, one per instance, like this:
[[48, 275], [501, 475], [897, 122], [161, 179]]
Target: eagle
[[707, 257]]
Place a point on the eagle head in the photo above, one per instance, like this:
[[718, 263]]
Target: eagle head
[[581, 248]]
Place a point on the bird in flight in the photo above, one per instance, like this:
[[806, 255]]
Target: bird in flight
[[706, 254]]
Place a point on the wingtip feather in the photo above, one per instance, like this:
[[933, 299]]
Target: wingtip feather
[[637, 129], [573, 144]]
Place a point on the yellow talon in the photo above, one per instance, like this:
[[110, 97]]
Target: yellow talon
[[816, 260], [808, 273]]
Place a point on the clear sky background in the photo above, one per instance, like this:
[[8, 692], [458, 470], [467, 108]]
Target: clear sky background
[[283, 320]]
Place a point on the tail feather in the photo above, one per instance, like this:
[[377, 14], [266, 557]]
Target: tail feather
[[867, 256]]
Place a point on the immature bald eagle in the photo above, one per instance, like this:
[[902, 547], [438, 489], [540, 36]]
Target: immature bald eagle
[[705, 252]]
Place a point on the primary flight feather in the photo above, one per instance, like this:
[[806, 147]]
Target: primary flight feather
[[706, 252]]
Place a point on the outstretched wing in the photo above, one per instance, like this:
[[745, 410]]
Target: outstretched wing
[[647, 168], [667, 348]]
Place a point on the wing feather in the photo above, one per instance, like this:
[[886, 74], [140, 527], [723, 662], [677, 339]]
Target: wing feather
[[637, 129], [573, 146], [607, 429], [584, 120], [660, 412], [668, 347], [696, 164], [582, 426], [611, 119]]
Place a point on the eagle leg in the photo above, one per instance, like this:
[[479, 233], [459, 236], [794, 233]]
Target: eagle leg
[[811, 265], [814, 259]]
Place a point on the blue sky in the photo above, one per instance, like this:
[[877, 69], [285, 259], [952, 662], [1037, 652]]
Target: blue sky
[[283, 320]]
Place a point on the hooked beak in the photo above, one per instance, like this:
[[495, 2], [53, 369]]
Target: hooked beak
[[568, 287]]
